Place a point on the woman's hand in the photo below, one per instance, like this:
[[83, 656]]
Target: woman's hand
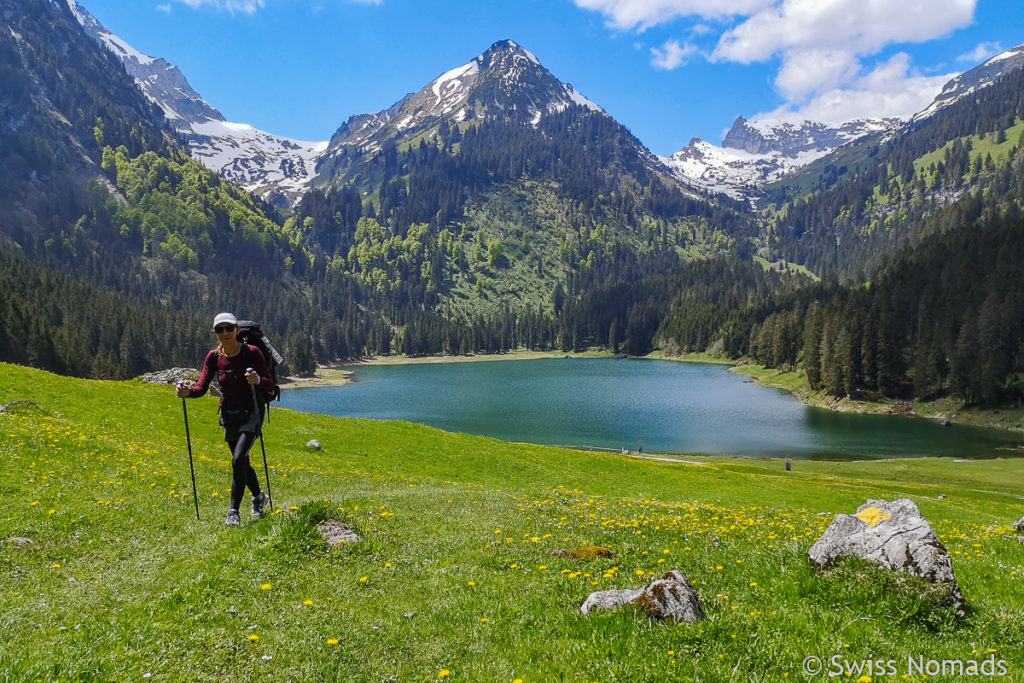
[[252, 377], [183, 390]]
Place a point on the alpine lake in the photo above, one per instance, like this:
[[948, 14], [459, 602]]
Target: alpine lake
[[658, 407]]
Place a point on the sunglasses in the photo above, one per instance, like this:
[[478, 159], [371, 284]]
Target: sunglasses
[[224, 328]]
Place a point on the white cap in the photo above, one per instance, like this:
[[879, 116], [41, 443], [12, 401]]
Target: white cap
[[228, 318]]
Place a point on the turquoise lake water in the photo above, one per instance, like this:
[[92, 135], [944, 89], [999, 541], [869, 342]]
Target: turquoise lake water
[[665, 407]]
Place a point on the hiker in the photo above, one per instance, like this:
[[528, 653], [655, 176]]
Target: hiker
[[238, 368]]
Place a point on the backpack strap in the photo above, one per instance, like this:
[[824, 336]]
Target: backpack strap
[[259, 394]]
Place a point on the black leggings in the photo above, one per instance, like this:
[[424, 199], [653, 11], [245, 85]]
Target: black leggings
[[242, 472]]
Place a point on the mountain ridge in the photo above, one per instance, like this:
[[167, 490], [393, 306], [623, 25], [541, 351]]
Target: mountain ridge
[[271, 166], [759, 152]]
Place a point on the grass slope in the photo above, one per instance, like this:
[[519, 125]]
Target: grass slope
[[456, 577]]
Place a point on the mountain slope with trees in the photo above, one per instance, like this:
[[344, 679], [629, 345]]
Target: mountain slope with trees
[[853, 209], [550, 228]]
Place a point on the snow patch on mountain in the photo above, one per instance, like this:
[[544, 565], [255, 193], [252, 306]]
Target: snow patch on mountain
[[506, 78], [258, 161], [271, 166], [973, 80], [754, 153]]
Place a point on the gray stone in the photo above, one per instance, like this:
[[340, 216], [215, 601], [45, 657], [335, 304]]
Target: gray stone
[[336, 533], [892, 534], [170, 376], [314, 443], [19, 542], [610, 599], [3, 410], [1019, 526], [672, 597]]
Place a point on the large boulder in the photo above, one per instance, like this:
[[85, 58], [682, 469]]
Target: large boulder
[[671, 597], [892, 534]]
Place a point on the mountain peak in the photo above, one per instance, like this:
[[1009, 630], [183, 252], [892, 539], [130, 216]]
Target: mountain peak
[[505, 81], [506, 47], [981, 76]]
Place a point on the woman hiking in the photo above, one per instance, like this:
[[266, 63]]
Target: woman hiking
[[238, 368]]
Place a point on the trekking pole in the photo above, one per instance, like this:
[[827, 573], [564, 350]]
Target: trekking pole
[[188, 440], [266, 470]]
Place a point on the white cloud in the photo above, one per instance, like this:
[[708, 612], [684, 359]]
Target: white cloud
[[807, 71], [863, 26], [671, 55], [822, 45], [981, 53], [643, 14], [166, 9], [244, 6], [892, 89]]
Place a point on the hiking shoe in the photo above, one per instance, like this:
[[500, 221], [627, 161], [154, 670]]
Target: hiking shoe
[[259, 503], [233, 519]]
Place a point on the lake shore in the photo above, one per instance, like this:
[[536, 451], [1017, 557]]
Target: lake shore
[[946, 410], [344, 373], [942, 410]]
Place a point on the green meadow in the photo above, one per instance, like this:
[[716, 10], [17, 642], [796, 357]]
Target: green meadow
[[458, 576]]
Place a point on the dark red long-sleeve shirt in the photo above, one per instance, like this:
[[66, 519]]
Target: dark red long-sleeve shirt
[[230, 372]]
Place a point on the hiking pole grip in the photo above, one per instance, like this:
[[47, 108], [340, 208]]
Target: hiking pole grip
[[266, 470], [188, 440]]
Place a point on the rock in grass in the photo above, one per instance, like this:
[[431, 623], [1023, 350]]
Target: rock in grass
[[19, 542], [314, 444], [672, 597], [1019, 526], [169, 376], [895, 536], [610, 599], [336, 533]]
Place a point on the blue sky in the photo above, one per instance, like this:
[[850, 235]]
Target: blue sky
[[669, 70]]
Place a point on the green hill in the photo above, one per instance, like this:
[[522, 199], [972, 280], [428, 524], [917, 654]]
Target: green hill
[[455, 577]]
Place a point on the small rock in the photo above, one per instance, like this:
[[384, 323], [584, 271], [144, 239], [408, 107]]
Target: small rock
[[942, 496], [336, 533], [895, 535], [671, 597], [3, 410], [1019, 526], [19, 542], [610, 599], [169, 376], [314, 444]]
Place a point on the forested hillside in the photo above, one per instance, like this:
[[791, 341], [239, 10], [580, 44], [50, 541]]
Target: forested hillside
[[864, 202], [943, 317], [61, 100], [491, 234], [498, 215]]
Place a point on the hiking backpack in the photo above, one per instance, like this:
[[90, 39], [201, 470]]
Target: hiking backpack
[[249, 333]]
